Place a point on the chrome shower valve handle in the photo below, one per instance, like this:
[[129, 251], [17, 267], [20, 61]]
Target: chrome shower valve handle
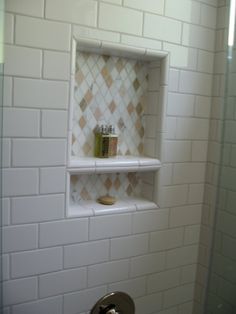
[[114, 303], [108, 309]]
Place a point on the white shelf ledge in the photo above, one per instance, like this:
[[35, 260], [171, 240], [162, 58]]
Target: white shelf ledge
[[114, 164], [92, 208]]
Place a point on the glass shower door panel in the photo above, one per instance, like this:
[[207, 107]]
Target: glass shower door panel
[[221, 296]]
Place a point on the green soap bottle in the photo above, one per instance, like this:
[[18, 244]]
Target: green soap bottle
[[97, 145]]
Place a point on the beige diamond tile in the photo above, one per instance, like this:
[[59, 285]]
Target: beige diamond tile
[[108, 183], [88, 96], [136, 84], [82, 122], [83, 104]]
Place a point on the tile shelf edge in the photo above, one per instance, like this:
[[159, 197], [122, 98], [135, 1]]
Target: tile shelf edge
[[118, 49], [126, 205], [114, 164]]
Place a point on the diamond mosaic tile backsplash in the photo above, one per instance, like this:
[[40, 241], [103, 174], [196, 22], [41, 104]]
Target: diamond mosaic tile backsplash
[[109, 90], [90, 187]]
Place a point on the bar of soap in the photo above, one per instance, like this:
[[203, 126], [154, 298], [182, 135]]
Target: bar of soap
[[107, 200]]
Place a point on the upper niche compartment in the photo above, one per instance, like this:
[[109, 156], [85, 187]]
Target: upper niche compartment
[[111, 90], [122, 86]]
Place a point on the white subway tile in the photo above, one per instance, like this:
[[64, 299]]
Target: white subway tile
[[20, 290], [147, 264], [182, 256], [74, 11], [56, 65], [54, 123], [166, 174], [86, 253], [203, 107], [109, 226], [21, 61], [149, 304], [5, 266], [19, 238], [50, 35], [6, 310], [222, 18], [52, 180], [173, 195], [189, 173], [173, 310], [178, 295], [50, 305], [134, 287], [119, 2], [228, 247], [163, 280], [37, 208], [174, 80], [162, 28], [231, 201], [220, 63], [36, 262], [186, 215], [108, 272], [198, 37], [188, 307], [152, 6], [26, 7], [183, 10], [192, 128], [150, 221], [110, 18], [83, 300], [63, 232], [208, 16], [7, 91], [8, 28], [180, 104], [62, 282], [195, 83], [177, 151], [140, 42], [205, 61], [195, 194], [20, 182], [192, 235], [6, 206], [211, 2], [20, 122], [171, 124], [93, 33], [6, 153], [129, 246], [181, 57], [166, 239], [38, 152], [188, 274], [40, 94]]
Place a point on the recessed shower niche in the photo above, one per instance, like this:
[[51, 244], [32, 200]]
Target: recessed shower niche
[[125, 87]]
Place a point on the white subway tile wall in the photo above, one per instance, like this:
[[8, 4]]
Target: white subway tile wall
[[53, 264], [203, 108]]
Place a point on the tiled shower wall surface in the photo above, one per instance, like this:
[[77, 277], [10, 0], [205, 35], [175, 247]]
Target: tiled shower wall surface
[[53, 264]]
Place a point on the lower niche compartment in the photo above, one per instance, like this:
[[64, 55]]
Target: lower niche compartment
[[133, 191]]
